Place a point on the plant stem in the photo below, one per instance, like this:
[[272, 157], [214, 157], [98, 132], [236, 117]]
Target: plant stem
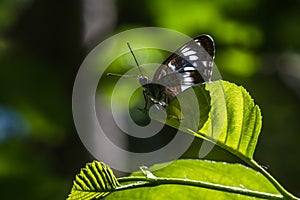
[[145, 182], [254, 165], [276, 184]]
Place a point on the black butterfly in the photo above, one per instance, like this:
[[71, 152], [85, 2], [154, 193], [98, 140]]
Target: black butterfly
[[191, 64]]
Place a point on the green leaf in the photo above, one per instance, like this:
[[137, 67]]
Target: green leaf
[[227, 116], [95, 181], [235, 176], [220, 112]]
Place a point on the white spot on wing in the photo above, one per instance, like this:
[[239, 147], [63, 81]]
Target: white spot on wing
[[172, 66], [184, 87], [188, 79], [188, 53], [189, 68], [193, 57], [185, 49]]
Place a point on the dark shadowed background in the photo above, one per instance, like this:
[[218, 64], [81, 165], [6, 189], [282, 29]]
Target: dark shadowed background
[[42, 45]]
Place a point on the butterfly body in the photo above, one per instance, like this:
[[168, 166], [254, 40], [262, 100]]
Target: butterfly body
[[191, 64]]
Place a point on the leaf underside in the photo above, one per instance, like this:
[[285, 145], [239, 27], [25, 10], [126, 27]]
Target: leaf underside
[[95, 181]]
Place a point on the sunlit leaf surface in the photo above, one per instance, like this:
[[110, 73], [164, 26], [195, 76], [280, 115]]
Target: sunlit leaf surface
[[234, 175], [227, 116]]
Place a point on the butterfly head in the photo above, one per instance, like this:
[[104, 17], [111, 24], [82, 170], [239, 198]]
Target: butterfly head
[[143, 80]]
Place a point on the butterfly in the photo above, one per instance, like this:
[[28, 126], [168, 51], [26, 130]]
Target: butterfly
[[190, 64]]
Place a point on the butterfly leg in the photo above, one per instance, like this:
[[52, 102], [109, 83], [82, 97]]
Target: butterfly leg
[[146, 100]]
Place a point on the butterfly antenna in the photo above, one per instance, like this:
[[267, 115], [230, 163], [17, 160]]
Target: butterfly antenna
[[120, 75], [135, 59]]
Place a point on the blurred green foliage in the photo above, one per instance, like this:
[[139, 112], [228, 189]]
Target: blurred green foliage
[[41, 49]]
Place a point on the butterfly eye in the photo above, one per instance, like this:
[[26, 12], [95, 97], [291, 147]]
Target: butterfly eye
[[143, 80]]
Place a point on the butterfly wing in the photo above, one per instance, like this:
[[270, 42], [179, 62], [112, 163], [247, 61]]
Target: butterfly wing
[[191, 64]]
